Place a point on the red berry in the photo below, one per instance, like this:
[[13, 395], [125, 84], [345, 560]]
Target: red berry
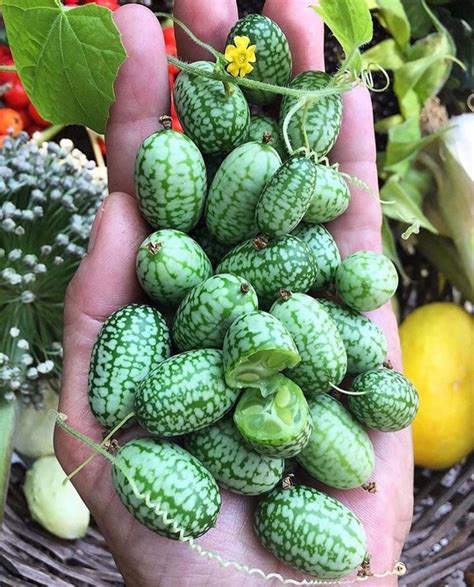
[[34, 128], [4, 52], [101, 142], [8, 77], [110, 4], [16, 97], [168, 34], [36, 116], [71, 2], [25, 118], [10, 121]]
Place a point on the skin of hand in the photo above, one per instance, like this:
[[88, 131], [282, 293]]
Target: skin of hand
[[106, 281]]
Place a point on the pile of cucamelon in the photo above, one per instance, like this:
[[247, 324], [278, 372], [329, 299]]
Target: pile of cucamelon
[[231, 368]]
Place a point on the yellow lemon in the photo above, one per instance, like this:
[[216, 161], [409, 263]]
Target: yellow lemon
[[437, 344]]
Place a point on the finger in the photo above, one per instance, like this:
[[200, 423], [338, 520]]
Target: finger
[[360, 227], [142, 93], [304, 30], [209, 20], [105, 281]]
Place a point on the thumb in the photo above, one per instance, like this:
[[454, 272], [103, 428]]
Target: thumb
[[104, 282]]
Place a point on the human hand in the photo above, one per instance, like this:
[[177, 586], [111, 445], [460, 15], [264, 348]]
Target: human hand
[[106, 281]]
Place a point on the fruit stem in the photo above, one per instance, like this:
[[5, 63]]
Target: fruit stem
[[255, 85], [218, 56], [285, 294], [346, 392], [61, 422], [166, 122], [104, 443], [260, 242]]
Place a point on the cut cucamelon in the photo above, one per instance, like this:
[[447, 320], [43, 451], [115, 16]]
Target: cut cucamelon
[[256, 346], [277, 424]]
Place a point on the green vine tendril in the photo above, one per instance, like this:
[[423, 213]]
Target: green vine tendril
[[398, 569]]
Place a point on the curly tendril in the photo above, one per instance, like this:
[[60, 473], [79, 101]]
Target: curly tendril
[[398, 569]]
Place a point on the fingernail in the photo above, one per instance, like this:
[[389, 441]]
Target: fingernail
[[96, 227]]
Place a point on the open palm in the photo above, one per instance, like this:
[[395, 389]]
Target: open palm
[[106, 281]]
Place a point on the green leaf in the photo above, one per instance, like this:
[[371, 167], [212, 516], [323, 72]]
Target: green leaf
[[404, 143], [399, 205], [67, 59], [385, 124], [395, 20], [7, 422], [390, 247], [420, 22], [386, 54], [442, 253], [428, 68], [350, 22]]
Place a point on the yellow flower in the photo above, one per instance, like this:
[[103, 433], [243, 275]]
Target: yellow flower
[[240, 56]]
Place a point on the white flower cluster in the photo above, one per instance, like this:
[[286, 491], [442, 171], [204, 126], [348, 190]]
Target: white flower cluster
[[49, 195]]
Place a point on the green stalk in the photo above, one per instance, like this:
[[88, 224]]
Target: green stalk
[[7, 423], [339, 88]]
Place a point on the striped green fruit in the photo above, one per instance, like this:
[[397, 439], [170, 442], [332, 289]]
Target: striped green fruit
[[273, 56], [365, 342], [321, 119], [330, 198], [286, 262], [339, 452], [390, 401], [184, 393], [366, 280], [171, 479], [277, 422], [169, 264], [311, 532], [170, 178], [215, 119], [235, 189], [256, 346], [205, 314], [260, 124], [322, 352], [213, 249], [131, 342], [324, 247], [286, 197], [222, 450]]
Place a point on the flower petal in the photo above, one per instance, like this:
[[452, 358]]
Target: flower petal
[[233, 69], [230, 53], [241, 42], [251, 53], [245, 69]]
